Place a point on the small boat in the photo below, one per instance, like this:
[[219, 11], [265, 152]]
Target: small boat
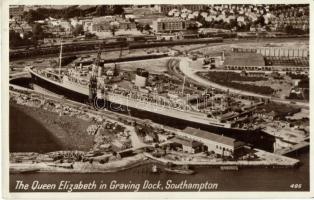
[[24, 170], [154, 169], [229, 168], [29, 171], [180, 170], [62, 165]]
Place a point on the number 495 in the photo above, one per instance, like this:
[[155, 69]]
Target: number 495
[[296, 186]]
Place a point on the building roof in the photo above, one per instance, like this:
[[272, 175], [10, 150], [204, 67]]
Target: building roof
[[86, 7], [170, 19], [210, 136], [244, 59], [105, 19], [185, 142]]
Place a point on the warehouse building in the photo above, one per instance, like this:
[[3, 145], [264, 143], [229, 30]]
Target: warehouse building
[[250, 61], [187, 145], [267, 59], [165, 8], [219, 144], [170, 24], [244, 61]]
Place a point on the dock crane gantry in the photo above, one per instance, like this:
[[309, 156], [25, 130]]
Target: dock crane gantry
[[93, 78]]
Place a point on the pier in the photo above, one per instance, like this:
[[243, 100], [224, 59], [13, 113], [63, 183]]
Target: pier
[[267, 160], [296, 147]]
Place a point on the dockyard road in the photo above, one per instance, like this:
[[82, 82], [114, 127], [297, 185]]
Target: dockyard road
[[265, 159], [188, 71], [19, 75], [136, 142]]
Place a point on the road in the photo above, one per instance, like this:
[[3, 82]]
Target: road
[[136, 142], [185, 68], [19, 75]]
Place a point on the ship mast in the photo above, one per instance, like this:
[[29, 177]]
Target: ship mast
[[183, 85], [93, 77], [98, 58], [60, 58]]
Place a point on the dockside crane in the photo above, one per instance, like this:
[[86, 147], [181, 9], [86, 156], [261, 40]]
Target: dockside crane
[[93, 77], [116, 66]]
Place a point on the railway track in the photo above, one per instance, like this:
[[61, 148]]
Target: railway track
[[70, 49]]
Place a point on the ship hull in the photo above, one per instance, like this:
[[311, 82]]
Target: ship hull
[[257, 138]]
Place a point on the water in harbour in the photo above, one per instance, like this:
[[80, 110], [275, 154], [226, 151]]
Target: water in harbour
[[246, 179]]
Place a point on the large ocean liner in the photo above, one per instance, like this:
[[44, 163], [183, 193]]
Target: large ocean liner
[[87, 84]]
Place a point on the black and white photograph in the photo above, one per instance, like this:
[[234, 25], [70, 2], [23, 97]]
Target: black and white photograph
[[158, 98]]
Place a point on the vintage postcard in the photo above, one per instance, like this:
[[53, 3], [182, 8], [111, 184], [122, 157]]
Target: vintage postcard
[[182, 100]]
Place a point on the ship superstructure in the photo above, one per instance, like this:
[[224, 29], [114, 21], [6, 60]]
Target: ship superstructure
[[89, 82]]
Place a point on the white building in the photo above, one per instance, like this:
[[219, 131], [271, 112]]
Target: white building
[[188, 146], [168, 24], [218, 143], [87, 25], [66, 25], [75, 21]]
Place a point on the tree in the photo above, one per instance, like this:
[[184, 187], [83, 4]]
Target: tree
[[32, 16], [28, 35], [233, 23], [14, 38], [226, 25], [113, 28], [193, 27], [260, 21], [267, 28], [118, 10], [113, 31], [90, 35], [78, 30], [72, 11], [38, 32], [147, 27], [102, 10], [139, 27], [290, 30]]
